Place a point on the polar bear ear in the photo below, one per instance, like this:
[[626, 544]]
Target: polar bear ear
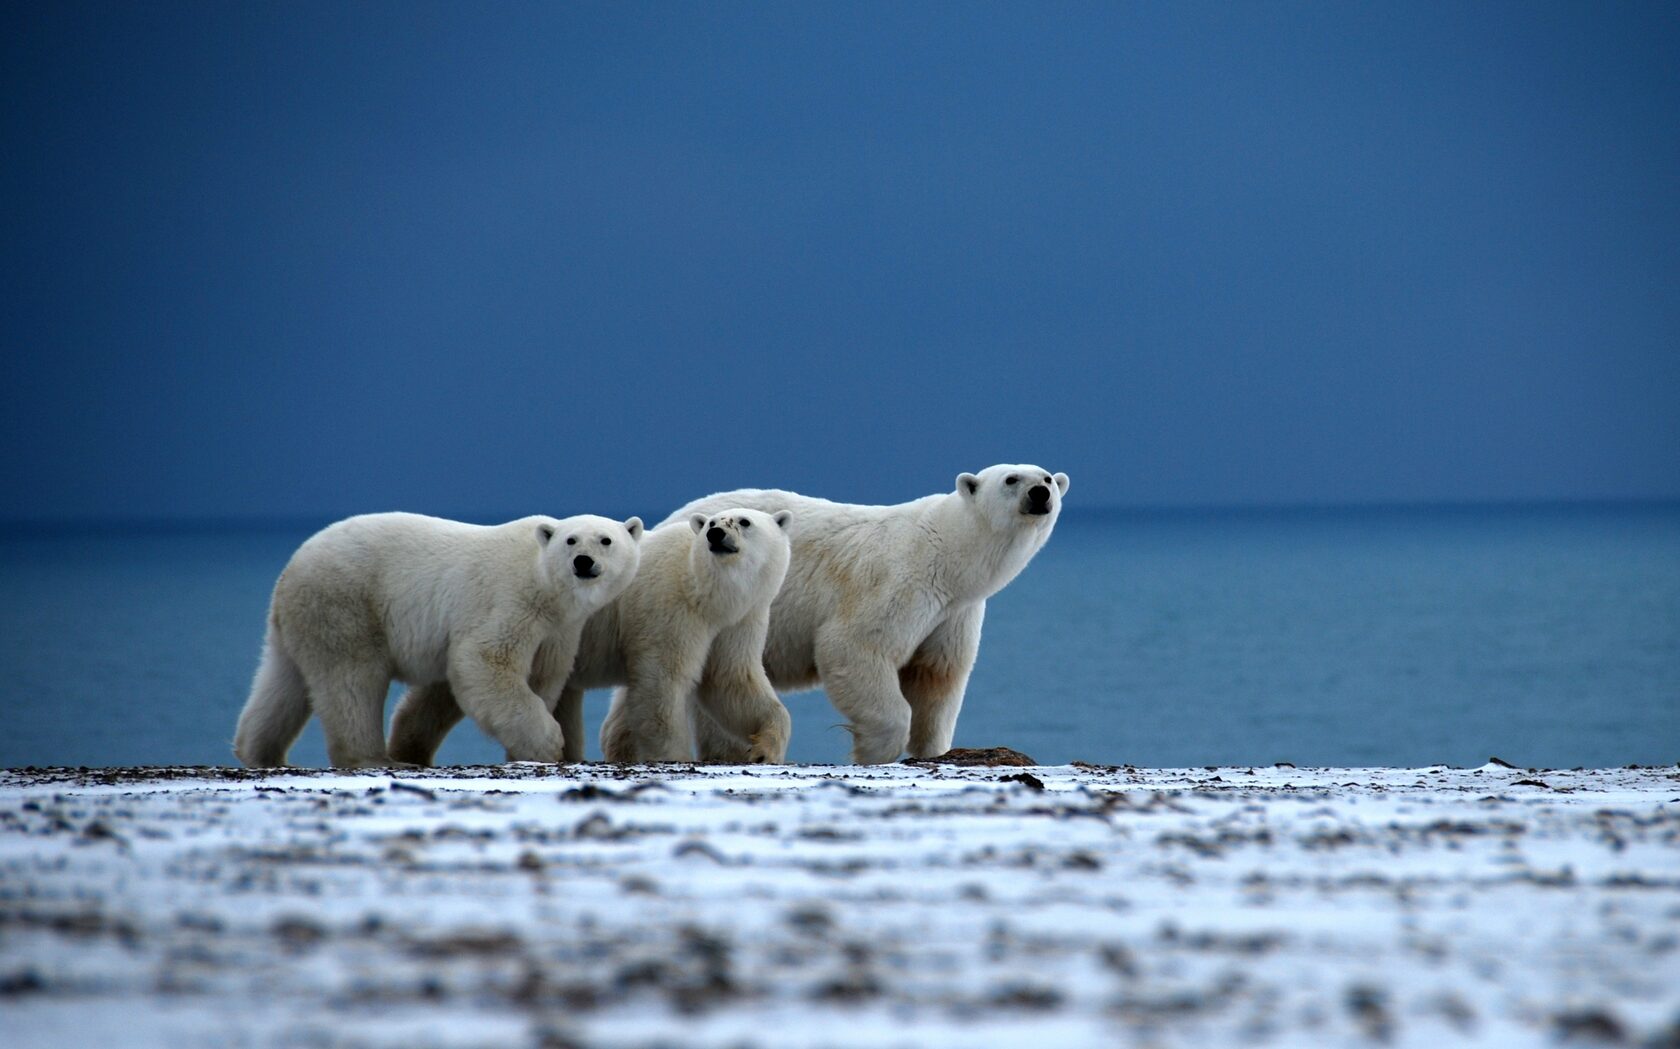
[[967, 485], [634, 527], [782, 518], [1062, 482], [697, 521], [545, 532]]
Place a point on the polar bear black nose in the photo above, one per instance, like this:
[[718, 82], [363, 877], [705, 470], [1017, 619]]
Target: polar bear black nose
[[1038, 499], [715, 534], [583, 565]]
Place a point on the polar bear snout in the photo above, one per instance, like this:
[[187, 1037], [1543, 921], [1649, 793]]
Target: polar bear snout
[[718, 541], [1038, 500], [584, 567]]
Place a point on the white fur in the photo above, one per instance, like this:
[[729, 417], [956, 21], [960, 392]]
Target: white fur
[[654, 640], [883, 604], [493, 613]]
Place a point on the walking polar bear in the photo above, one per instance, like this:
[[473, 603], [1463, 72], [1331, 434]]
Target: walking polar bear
[[656, 641], [883, 604], [494, 613], [699, 577]]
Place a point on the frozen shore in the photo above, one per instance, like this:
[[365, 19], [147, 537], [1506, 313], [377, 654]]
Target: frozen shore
[[840, 906]]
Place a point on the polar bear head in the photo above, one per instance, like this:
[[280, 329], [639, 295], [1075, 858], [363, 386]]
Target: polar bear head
[[592, 558], [1009, 496], [744, 542]]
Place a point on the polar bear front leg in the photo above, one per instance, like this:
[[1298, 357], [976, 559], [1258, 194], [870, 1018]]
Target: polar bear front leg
[[737, 701], [649, 718], [424, 715], [937, 676], [712, 742], [863, 684], [489, 681]]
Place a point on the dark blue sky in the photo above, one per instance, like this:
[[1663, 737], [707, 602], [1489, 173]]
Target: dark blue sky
[[485, 260]]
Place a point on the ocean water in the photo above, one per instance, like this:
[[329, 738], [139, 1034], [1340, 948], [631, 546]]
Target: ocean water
[[1548, 636]]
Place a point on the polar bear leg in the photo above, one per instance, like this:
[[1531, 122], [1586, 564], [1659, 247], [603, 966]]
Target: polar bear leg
[[936, 677], [276, 712], [424, 715], [648, 720], [349, 698], [737, 696], [741, 724], [713, 742], [498, 698], [863, 685], [624, 741], [618, 743], [569, 713]]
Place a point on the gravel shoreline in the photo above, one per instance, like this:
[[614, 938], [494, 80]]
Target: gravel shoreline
[[774, 906]]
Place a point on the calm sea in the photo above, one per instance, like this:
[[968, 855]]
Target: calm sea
[[1548, 636]]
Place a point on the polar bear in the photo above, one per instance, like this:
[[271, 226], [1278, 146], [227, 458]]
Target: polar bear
[[883, 604], [495, 611], [657, 640], [698, 577]]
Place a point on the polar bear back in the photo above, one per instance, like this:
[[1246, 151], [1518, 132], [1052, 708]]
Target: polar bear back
[[406, 583], [885, 576], [807, 509], [854, 544], [850, 562]]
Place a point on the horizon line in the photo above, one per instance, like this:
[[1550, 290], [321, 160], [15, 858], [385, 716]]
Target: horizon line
[[253, 521]]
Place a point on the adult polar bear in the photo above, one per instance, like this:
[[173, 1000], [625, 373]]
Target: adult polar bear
[[883, 605], [495, 612]]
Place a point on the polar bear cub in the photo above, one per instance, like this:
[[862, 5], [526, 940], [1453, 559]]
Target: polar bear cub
[[883, 604], [698, 577], [494, 611], [719, 577]]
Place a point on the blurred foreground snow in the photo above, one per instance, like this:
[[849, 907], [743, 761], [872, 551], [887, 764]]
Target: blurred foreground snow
[[837, 906]]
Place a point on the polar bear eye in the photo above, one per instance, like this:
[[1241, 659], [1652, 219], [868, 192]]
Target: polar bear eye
[[606, 540], [571, 540], [745, 523], [1011, 479]]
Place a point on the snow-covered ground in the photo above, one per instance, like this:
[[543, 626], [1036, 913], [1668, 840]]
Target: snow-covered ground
[[837, 906]]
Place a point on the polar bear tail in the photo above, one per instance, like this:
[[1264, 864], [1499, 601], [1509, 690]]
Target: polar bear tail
[[275, 714]]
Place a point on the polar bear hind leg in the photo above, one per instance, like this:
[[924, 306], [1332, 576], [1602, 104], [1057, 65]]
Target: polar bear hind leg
[[349, 698], [568, 711], [275, 713], [618, 743], [424, 715]]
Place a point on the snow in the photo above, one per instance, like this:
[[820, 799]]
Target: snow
[[838, 906]]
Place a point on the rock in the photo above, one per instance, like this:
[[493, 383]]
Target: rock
[[1589, 1026], [1026, 779], [987, 756]]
